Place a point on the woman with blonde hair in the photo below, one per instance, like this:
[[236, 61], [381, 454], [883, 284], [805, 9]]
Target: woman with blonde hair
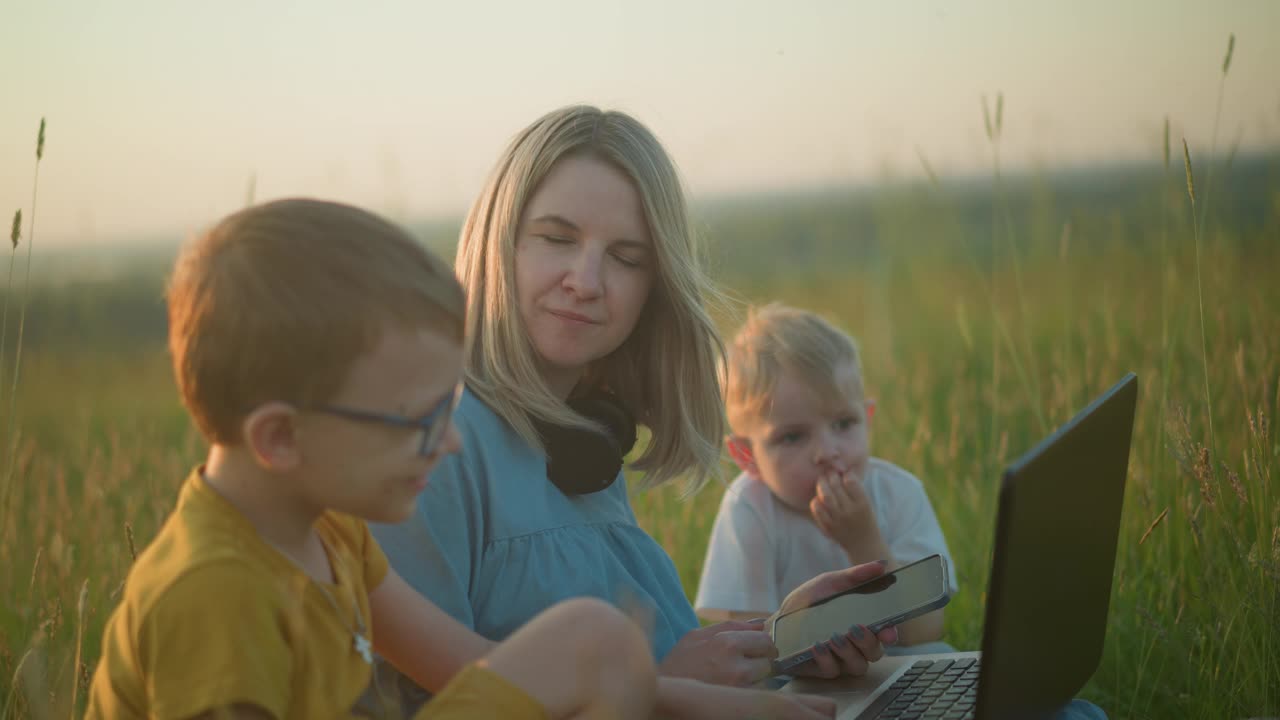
[[587, 316]]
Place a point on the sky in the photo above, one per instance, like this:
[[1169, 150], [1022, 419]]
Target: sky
[[162, 114]]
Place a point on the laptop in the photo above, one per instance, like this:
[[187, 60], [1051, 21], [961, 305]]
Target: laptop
[[1057, 525]]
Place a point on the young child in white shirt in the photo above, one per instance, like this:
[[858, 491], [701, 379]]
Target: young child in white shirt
[[810, 498]]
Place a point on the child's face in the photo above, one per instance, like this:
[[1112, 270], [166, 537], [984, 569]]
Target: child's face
[[375, 470], [803, 436], [583, 265]]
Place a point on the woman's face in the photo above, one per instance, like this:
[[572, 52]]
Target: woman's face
[[584, 266]]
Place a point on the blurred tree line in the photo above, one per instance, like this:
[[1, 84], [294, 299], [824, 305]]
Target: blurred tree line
[[755, 239]]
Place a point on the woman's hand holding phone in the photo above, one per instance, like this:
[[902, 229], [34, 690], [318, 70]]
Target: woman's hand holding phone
[[853, 652]]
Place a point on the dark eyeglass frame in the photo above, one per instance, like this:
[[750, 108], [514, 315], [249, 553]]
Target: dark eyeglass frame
[[433, 425]]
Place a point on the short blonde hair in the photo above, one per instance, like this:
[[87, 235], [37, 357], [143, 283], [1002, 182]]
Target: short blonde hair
[[666, 371], [775, 339], [277, 301]]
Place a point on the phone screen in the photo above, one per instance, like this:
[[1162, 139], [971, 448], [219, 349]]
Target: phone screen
[[873, 603]]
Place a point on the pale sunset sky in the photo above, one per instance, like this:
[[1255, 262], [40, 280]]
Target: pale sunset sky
[[160, 112]]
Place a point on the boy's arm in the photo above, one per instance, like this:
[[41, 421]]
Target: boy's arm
[[421, 640]]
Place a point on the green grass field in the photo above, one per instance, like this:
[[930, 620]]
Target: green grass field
[[986, 319]]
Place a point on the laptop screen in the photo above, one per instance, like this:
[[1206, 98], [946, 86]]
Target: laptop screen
[[1055, 546]]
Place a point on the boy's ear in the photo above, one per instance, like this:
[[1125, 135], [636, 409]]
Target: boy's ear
[[740, 451], [871, 408], [270, 433]]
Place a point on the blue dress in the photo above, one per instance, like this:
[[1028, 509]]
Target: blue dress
[[494, 543]]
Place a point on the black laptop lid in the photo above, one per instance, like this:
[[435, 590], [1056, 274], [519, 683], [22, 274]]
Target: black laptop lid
[[1055, 550]]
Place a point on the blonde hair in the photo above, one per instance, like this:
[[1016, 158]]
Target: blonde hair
[[666, 371], [775, 339], [276, 302]]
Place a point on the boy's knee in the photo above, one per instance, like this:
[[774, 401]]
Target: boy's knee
[[604, 629], [597, 618]]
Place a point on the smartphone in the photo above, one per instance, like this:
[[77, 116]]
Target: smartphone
[[891, 599]]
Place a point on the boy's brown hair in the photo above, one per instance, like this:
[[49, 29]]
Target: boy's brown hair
[[277, 301], [778, 338]]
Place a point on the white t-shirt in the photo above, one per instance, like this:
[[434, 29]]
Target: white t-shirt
[[761, 549]]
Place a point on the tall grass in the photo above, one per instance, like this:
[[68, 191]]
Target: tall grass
[[1204, 349], [11, 420], [1193, 626], [1194, 629], [104, 446]]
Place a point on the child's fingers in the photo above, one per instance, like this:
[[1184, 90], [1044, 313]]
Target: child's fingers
[[851, 485], [846, 496], [832, 495], [822, 516], [822, 490]]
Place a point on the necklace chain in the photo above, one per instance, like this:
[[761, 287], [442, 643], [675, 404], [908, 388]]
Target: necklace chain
[[359, 641]]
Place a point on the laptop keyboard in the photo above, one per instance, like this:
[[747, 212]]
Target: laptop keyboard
[[930, 690]]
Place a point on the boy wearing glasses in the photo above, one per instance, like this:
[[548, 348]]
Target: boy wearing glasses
[[318, 349]]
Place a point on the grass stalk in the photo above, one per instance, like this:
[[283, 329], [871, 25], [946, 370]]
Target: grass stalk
[[75, 667], [1166, 349], [1213, 139], [15, 237], [1204, 344], [12, 425], [1001, 218]]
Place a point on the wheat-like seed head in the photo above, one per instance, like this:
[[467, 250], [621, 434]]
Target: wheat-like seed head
[[1153, 525], [1236, 485], [1186, 161], [40, 141], [1231, 47], [17, 227], [1204, 474]]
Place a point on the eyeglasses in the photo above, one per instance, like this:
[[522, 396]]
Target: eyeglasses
[[432, 425]]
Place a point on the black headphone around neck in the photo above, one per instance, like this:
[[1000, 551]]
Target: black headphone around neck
[[580, 462]]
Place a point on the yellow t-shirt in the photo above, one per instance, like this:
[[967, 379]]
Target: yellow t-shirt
[[212, 615]]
